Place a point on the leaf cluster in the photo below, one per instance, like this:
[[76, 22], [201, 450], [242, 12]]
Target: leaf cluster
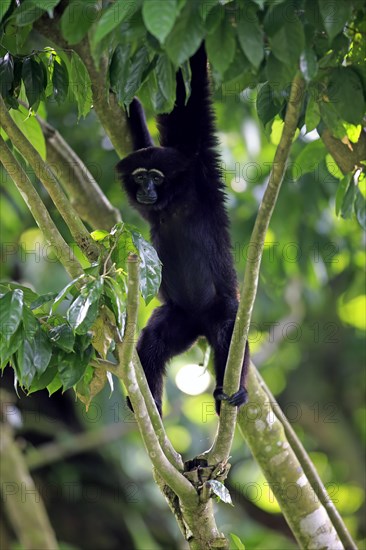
[[51, 340]]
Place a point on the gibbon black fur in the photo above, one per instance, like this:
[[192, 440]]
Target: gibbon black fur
[[179, 190]]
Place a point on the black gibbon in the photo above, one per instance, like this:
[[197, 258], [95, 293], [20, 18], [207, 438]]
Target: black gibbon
[[178, 189]]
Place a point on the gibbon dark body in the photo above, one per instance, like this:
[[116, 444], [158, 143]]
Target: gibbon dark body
[[178, 189]]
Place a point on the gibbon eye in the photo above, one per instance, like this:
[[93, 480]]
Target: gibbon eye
[[157, 180], [140, 178]]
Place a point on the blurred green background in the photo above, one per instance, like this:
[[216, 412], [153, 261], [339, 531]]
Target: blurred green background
[[307, 339]]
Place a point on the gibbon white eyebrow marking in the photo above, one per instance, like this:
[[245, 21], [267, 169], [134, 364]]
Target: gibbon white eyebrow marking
[[139, 171]]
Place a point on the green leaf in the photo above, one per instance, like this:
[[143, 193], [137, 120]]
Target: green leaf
[[341, 191], [309, 158], [30, 323], [332, 119], [4, 6], [360, 208], [250, 37], [99, 235], [81, 85], [6, 74], [26, 369], [31, 128], [334, 15], [46, 4], [187, 77], [346, 92], [117, 296], [114, 15], [28, 294], [64, 292], [221, 46], [71, 369], [268, 105], [139, 64], [27, 13], [349, 200], [55, 385], [43, 380], [77, 19], [150, 267], [8, 348], [11, 310], [62, 337], [308, 64], [159, 17], [33, 78], [80, 308], [60, 81], [166, 77], [279, 74], [312, 114], [220, 490], [237, 542], [119, 69], [206, 8], [180, 44], [41, 300], [42, 351], [288, 43]]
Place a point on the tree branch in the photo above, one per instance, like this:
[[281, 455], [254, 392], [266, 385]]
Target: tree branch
[[85, 194], [46, 176], [24, 505], [39, 212], [347, 159], [222, 445]]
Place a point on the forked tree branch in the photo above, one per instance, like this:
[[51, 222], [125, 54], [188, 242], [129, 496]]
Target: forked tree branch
[[39, 212]]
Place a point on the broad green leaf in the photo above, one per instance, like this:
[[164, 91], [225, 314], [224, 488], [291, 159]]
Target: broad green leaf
[[187, 77], [41, 300], [31, 128], [180, 44], [114, 15], [99, 235], [221, 46], [206, 8], [42, 351], [220, 490], [268, 105], [55, 385], [88, 297], [308, 64], [119, 69], [346, 92], [26, 369], [349, 200], [11, 310], [353, 131], [62, 337], [71, 368], [80, 84], [309, 158], [332, 119], [34, 82], [4, 6], [166, 77], [6, 74], [150, 267], [60, 81], [237, 542], [279, 74], [30, 323], [360, 208], [28, 294], [334, 15], [139, 64], [117, 296], [159, 17], [312, 114], [46, 4], [77, 19], [250, 37], [288, 43], [27, 13], [341, 191], [64, 292], [8, 348], [41, 381]]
